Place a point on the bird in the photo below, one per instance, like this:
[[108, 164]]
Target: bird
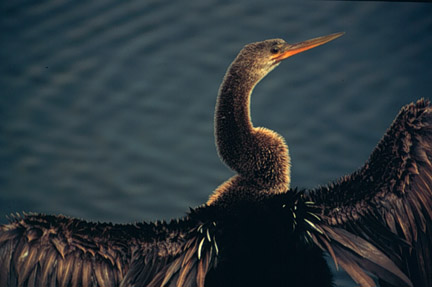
[[255, 229]]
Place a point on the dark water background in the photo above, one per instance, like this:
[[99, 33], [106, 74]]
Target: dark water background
[[106, 107]]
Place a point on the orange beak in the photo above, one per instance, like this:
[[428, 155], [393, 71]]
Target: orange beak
[[289, 50]]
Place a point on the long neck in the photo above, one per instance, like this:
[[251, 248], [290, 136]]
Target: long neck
[[233, 127], [256, 154]]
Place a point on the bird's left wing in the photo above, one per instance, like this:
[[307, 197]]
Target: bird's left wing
[[379, 219]]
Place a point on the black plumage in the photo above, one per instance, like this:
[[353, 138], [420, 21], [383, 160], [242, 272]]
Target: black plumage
[[254, 230]]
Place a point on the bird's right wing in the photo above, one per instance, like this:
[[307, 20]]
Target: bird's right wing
[[58, 251], [39, 250], [188, 268]]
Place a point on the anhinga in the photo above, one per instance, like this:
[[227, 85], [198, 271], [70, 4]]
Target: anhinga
[[254, 230]]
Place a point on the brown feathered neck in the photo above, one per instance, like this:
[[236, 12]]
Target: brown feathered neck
[[258, 155]]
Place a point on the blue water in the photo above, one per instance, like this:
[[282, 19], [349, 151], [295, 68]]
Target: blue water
[[106, 107]]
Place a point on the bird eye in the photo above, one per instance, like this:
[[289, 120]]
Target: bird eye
[[274, 50]]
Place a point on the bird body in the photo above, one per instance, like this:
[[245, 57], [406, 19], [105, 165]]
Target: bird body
[[254, 230]]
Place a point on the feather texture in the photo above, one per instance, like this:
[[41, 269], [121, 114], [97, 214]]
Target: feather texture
[[40, 250], [388, 203]]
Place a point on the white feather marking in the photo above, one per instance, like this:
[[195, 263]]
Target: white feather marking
[[215, 245], [200, 248], [24, 255], [208, 236], [314, 226], [314, 215]]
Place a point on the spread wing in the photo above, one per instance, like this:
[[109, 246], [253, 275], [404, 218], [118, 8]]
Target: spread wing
[[381, 215], [40, 250], [188, 268]]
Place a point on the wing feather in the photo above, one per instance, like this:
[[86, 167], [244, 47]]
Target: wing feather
[[39, 250], [86, 273], [188, 267], [387, 203]]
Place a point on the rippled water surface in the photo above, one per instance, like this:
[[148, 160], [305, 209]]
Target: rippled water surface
[[106, 107]]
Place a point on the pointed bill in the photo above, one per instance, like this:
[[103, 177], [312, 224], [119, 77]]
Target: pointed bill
[[289, 50]]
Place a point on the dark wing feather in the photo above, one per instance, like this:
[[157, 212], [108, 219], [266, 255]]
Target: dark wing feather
[[40, 250], [37, 250], [188, 268], [387, 204]]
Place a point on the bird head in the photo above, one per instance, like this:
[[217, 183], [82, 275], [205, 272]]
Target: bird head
[[262, 57]]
